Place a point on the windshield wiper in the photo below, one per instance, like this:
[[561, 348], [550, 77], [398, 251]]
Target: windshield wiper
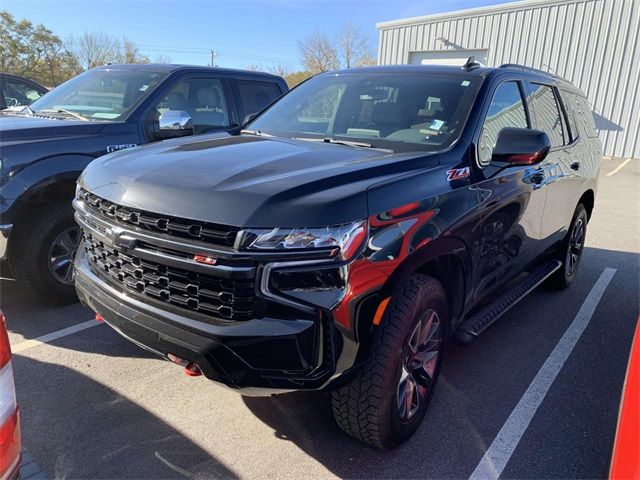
[[258, 133], [67, 112], [21, 110], [349, 143]]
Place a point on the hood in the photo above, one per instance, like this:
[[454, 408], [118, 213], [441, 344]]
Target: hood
[[20, 128], [248, 181]]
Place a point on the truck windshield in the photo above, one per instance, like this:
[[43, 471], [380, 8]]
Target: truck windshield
[[103, 94], [414, 111]]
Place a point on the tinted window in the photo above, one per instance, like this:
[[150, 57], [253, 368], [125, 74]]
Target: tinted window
[[19, 93], [570, 115], [547, 114], [254, 96], [202, 98], [409, 111], [582, 113], [506, 110]]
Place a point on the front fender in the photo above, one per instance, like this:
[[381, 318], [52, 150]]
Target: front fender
[[31, 181]]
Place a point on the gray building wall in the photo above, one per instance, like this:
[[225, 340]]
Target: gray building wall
[[593, 43]]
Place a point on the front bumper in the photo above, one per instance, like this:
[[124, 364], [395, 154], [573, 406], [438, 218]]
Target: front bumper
[[5, 231], [259, 357]]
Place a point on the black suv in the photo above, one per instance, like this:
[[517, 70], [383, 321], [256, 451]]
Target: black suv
[[44, 147], [352, 227]]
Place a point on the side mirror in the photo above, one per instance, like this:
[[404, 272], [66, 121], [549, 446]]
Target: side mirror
[[521, 146], [177, 121]]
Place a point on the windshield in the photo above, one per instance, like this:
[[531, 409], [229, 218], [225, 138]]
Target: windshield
[[99, 94], [414, 111]]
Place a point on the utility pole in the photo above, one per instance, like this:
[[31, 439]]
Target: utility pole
[[213, 58]]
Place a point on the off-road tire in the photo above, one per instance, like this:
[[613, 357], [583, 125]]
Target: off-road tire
[[29, 250], [367, 408]]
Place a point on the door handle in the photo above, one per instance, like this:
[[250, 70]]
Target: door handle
[[534, 176], [575, 166]]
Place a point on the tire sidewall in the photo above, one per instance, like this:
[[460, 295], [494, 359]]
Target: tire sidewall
[[568, 278], [30, 255], [399, 430]]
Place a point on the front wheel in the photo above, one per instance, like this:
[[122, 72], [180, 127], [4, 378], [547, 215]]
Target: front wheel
[[570, 252], [42, 257], [385, 403]]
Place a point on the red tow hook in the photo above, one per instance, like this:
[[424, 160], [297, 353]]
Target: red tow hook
[[190, 368]]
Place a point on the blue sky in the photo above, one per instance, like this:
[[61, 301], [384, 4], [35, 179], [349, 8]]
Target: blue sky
[[245, 32]]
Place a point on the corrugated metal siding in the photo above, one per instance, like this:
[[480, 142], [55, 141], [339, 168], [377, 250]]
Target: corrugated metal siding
[[593, 43]]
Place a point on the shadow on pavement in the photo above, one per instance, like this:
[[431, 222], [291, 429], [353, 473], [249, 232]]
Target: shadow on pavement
[[76, 427], [481, 384]]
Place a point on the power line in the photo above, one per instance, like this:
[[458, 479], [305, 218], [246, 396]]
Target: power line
[[218, 53]]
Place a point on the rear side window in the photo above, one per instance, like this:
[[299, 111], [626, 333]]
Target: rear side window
[[582, 114], [547, 114], [254, 96], [570, 114], [506, 110]]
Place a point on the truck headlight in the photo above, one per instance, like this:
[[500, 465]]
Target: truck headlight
[[347, 238]]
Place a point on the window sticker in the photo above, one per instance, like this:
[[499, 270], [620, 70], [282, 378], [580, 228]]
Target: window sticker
[[465, 83], [436, 125]]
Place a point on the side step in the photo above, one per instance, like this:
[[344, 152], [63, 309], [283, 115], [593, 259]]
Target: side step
[[478, 323]]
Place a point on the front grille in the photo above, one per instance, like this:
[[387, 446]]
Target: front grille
[[225, 298], [179, 227]]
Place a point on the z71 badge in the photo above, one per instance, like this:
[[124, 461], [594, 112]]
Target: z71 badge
[[115, 148], [457, 173]]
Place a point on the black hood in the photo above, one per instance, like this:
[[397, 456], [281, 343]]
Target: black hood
[[20, 127], [247, 180]]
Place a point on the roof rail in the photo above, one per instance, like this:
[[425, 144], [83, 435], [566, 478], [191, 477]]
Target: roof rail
[[529, 69]]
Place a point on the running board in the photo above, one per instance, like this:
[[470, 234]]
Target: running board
[[478, 323]]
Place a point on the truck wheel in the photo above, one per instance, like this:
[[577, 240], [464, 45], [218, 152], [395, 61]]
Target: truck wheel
[[42, 254], [570, 252], [385, 403]]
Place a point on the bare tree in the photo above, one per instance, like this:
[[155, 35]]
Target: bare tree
[[91, 49], [128, 52], [317, 52], [162, 58], [354, 48]]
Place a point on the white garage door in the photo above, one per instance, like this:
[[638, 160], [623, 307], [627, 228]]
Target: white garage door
[[447, 57]]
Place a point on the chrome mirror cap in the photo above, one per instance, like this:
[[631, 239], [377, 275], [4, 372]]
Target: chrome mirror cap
[[175, 120]]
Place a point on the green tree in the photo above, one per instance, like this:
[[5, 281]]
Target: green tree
[[33, 51]]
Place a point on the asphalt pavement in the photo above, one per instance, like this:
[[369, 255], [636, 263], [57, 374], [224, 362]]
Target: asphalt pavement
[[94, 405]]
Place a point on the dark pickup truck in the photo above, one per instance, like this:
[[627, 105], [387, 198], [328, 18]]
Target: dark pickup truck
[[44, 147], [340, 238]]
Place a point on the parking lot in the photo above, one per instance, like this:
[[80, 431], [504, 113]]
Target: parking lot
[[96, 406]]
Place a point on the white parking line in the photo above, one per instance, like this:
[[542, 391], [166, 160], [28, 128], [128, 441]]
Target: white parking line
[[496, 457], [49, 337], [619, 167]]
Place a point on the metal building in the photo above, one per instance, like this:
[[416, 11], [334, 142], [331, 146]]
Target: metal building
[[593, 43]]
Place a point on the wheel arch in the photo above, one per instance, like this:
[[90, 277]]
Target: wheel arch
[[588, 200], [56, 188], [446, 260]]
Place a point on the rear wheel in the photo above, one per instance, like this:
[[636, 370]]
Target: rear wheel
[[42, 254], [385, 403], [570, 252]]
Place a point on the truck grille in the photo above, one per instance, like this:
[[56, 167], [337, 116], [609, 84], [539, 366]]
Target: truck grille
[[225, 298], [192, 229]]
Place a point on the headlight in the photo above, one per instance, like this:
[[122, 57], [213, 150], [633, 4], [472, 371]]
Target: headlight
[[348, 238]]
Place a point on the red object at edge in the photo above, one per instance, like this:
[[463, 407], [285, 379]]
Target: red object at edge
[[625, 463]]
